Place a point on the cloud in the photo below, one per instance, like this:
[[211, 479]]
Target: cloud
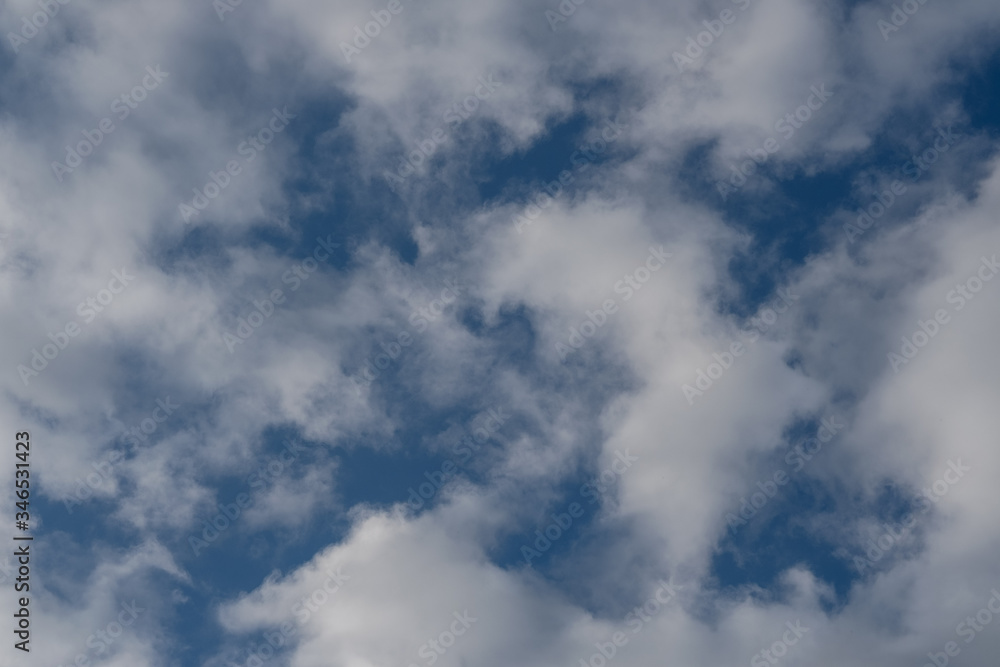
[[417, 577]]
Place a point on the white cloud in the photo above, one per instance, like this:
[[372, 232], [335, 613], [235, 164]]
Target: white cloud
[[622, 390]]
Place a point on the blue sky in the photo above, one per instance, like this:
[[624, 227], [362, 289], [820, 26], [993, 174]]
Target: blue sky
[[338, 341]]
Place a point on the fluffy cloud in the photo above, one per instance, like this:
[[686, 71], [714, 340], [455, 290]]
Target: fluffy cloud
[[261, 314]]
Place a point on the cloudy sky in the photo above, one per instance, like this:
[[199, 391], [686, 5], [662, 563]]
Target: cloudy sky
[[429, 332]]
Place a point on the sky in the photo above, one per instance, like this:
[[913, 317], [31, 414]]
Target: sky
[[413, 332]]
